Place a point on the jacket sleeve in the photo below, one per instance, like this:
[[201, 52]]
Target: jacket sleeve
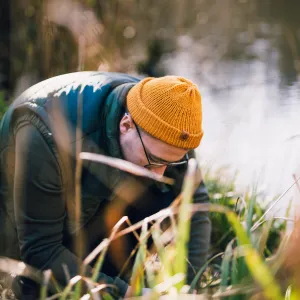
[[199, 235], [40, 208]]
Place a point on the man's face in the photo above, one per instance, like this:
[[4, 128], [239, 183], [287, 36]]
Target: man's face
[[136, 145]]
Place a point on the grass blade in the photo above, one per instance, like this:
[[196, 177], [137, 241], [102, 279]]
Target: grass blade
[[169, 283], [137, 279], [292, 293], [235, 276], [163, 254], [272, 205], [225, 267], [262, 242], [250, 212], [69, 287], [184, 221], [237, 290], [100, 262], [105, 248], [257, 267], [46, 278], [11, 266], [259, 270], [125, 166], [200, 272], [288, 293]]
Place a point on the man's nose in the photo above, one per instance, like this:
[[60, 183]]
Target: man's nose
[[159, 171]]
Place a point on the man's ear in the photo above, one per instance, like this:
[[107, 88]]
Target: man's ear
[[126, 123]]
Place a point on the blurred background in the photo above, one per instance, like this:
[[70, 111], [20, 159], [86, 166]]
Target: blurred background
[[243, 54]]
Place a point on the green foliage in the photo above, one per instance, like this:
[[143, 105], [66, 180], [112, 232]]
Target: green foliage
[[256, 267], [238, 269], [249, 210], [242, 268]]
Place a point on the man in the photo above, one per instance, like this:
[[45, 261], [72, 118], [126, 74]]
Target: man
[[154, 122]]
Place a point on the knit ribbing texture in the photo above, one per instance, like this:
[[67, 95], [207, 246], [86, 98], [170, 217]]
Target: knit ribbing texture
[[168, 108]]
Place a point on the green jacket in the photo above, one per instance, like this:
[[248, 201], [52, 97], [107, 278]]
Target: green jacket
[[38, 153]]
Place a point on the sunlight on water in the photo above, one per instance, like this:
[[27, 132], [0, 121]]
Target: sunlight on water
[[251, 120]]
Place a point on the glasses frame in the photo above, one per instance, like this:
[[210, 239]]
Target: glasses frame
[[158, 165]]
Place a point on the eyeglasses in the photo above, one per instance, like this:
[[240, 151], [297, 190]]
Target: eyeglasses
[[158, 165]]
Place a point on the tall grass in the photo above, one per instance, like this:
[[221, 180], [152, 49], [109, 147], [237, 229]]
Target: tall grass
[[242, 272]]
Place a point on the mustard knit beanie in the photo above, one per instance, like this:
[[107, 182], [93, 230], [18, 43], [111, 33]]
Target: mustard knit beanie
[[168, 108]]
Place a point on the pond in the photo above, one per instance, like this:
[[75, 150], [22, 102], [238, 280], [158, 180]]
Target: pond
[[251, 107]]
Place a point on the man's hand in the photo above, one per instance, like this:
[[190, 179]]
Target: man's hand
[[145, 292]]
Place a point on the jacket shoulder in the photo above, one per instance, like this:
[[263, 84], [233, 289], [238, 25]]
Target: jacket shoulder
[[67, 82]]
